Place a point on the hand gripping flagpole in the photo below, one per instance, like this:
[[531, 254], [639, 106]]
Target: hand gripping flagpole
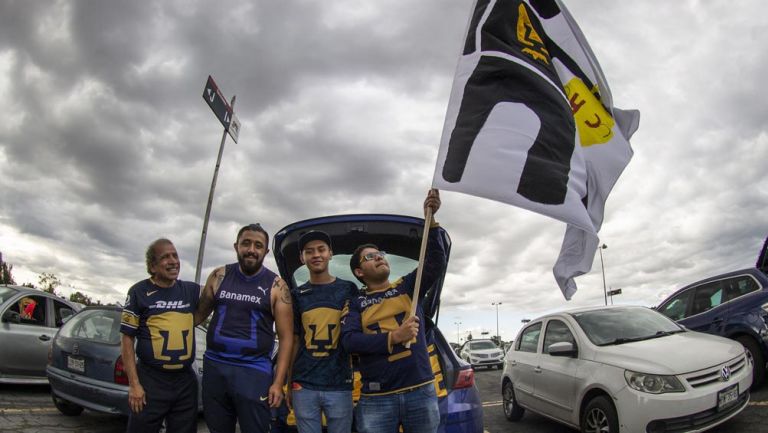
[[422, 253]]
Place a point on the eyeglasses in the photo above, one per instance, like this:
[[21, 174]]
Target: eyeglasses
[[371, 256]]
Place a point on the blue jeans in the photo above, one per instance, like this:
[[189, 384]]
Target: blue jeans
[[337, 406], [416, 410]]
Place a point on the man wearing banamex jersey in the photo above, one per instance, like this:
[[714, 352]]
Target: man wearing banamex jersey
[[158, 317], [397, 380], [322, 369], [247, 299]]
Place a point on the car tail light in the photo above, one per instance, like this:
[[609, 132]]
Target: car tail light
[[120, 376], [464, 379]]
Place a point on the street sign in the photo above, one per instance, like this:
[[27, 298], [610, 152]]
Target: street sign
[[218, 103], [234, 128], [614, 292]]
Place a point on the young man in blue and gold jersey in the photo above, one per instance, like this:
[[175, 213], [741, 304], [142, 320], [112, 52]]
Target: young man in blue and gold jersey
[[322, 369], [247, 300], [397, 380], [158, 318]]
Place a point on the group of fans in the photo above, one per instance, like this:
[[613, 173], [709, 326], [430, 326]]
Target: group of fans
[[319, 324]]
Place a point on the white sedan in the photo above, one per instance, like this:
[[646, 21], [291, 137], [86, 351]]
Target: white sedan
[[624, 369]]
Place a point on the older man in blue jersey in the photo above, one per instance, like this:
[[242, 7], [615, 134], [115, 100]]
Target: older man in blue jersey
[[398, 386], [247, 299], [158, 325], [322, 369]]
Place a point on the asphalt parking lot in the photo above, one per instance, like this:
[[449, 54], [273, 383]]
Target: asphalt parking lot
[[28, 409]]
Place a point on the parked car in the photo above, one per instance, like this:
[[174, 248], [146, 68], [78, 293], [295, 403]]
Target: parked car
[[733, 305], [30, 319], [86, 368], [482, 353], [458, 397], [627, 369]]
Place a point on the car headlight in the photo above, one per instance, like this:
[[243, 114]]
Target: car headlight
[[653, 383]]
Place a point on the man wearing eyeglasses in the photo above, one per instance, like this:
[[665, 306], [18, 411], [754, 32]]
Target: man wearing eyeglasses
[[322, 370], [247, 299], [397, 380]]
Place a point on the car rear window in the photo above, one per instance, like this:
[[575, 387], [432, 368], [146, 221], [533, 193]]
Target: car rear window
[[6, 293], [399, 266], [101, 326]]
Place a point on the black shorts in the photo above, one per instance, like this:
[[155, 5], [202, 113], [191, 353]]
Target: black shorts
[[171, 396]]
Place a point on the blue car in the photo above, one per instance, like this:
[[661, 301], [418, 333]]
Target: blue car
[[400, 236], [85, 367], [733, 305]]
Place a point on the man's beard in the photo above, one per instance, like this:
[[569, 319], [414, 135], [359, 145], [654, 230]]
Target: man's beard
[[249, 269]]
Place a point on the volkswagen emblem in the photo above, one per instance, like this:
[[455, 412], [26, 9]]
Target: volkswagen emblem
[[725, 374], [76, 350]]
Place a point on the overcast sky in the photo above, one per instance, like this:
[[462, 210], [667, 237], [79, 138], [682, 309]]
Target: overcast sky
[[107, 144]]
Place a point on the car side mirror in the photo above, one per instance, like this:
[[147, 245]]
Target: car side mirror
[[564, 348], [11, 316]]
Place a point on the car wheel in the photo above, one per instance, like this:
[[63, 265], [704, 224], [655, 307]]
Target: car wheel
[[67, 407], [512, 410], [600, 417], [758, 360]]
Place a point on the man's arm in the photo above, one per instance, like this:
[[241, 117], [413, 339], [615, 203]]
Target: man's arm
[[355, 340], [136, 396], [282, 310], [207, 293]]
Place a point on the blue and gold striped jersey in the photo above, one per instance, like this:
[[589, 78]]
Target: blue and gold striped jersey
[[162, 321], [321, 362], [386, 368]]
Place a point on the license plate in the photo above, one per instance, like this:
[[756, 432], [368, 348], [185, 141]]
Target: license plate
[[727, 397], [76, 364]]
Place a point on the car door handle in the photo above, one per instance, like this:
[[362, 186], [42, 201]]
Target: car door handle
[[537, 370], [44, 337]]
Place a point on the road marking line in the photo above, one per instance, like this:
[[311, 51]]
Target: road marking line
[[44, 410], [499, 403]]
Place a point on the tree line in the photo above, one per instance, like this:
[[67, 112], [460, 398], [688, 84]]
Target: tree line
[[46, 282]]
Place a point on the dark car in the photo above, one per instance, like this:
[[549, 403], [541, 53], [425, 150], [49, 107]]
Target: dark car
[[733, 305], [400, 236], [30, 319], [86, 368]]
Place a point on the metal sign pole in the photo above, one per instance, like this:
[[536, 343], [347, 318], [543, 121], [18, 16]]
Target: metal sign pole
[[201, 250]]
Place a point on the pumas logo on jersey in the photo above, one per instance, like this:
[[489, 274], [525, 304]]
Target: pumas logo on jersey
[[171, 305]]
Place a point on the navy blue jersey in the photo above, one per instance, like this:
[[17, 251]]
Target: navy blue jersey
[[386, 367], [241, 330], [162, 321], [321, 362]]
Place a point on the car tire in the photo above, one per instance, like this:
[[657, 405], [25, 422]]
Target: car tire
[[67, 407], [758, 360], [512, 410], [600, 416]]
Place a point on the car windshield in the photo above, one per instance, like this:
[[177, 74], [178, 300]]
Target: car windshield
[[102, 326], [6, 292], [482, 345], [624, 325], [399, 266]]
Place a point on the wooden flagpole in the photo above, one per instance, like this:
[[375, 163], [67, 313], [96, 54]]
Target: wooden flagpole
[[422, 253]]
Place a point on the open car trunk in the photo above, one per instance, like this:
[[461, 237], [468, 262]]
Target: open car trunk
[[398, 235]]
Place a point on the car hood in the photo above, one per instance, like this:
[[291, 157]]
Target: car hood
[[395, 234], [487, 351], [674, 354]]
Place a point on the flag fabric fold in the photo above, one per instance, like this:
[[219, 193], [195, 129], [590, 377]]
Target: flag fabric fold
[[531, 123]]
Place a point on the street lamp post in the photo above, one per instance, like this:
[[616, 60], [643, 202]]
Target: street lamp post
[[498, 338], [602, 266], [458, 340]]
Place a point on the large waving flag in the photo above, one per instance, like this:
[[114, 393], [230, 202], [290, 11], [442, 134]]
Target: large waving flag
[[531, 123]]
